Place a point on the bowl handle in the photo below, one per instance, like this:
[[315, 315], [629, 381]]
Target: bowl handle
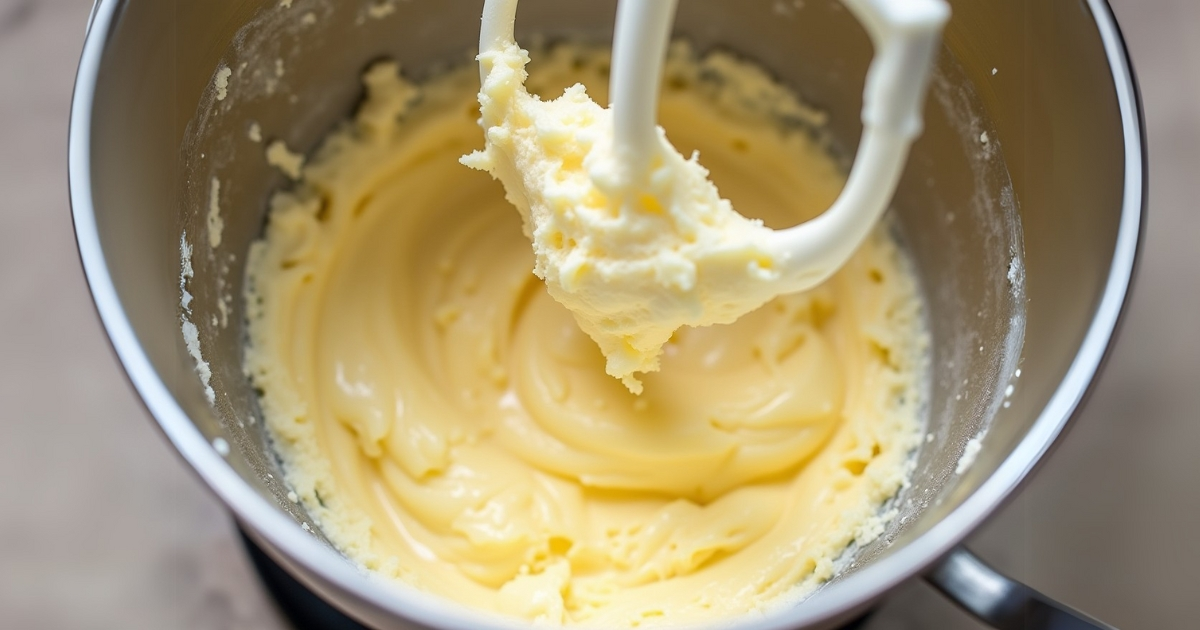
[[1000, 602]]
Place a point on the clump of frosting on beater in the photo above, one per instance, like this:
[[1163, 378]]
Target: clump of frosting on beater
[[633, 255]]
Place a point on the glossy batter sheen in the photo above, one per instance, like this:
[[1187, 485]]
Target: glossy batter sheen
[[448, 424]]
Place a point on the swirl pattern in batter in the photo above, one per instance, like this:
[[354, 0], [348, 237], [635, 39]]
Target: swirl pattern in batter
[[448, 424]]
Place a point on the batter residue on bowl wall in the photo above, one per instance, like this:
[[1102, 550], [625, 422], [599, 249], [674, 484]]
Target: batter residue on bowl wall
[[448, 424]]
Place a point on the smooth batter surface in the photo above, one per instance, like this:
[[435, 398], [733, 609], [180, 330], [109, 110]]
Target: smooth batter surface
[[448, 423]]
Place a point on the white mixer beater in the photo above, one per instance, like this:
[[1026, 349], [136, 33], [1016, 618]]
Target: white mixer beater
[[631, 236]]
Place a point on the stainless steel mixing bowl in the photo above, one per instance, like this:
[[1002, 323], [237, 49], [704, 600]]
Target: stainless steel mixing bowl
[[1022, 206]]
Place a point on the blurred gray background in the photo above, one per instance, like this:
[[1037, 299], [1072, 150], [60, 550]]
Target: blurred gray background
[[102, 527]]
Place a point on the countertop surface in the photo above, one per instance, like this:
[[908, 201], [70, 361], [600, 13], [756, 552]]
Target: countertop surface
[[101, 526]]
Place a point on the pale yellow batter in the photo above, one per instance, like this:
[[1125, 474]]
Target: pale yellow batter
[[449, 424]]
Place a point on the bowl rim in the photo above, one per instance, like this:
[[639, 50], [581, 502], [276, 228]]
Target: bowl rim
[[287, 538]]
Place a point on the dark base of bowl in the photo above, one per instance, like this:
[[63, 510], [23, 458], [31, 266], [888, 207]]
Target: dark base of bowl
[[306, 611]]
